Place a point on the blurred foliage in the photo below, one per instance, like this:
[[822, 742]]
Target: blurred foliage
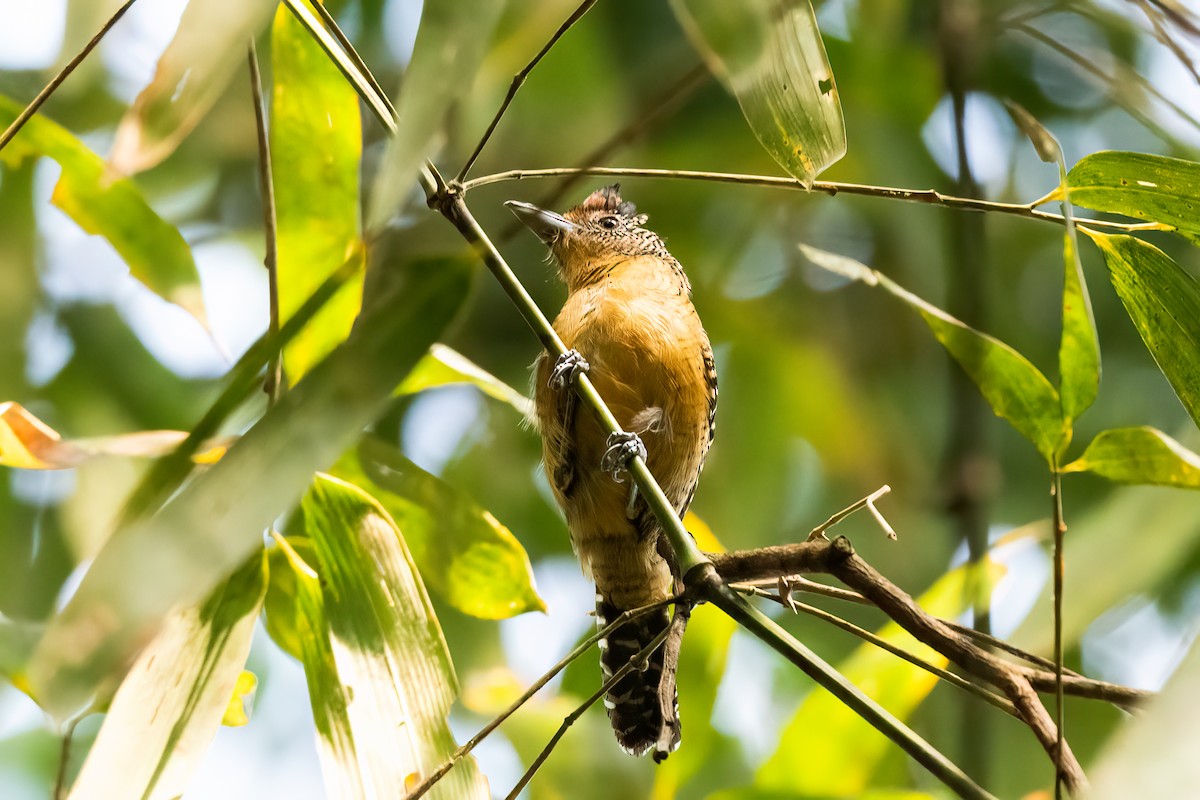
[[827, 390]]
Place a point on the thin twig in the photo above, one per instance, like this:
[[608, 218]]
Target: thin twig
[[926, 196], [519, 80], [872, 638], [636, 662], [866, 502], [534, 687], [64, 760], [266, 184], [58, 79]]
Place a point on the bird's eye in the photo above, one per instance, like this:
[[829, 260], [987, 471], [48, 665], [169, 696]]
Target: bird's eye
[[608, 222]]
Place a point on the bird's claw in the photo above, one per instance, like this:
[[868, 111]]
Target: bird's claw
[[622, 448], [567, 368]]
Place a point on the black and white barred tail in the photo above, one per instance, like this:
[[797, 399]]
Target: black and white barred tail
[[642, 707]]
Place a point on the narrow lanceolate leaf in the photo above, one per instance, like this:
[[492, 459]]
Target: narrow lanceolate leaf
[[450, 45], [156, 253], [178, 555], [465, 554], [445, 366], [1163, 300], [1015, 389], [208, 48], [1139, 185], [316, 149], [1139, 455], [823, 725], [175, 696], [393, 682], [1079, 347], [28, 443], [769, 54]]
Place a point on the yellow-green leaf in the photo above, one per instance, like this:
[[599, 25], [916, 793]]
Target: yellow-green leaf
[[1139, 455], [156, 253], [465, 554], [769, 54], [175, 696], [1163, 300], [316, 150], [1015, 389], [175, 557], [445, 366], [1140, 185], [384, 706], [208, 47]]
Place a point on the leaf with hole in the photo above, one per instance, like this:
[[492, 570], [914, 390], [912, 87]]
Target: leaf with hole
[[1144, 186], [770, 56]]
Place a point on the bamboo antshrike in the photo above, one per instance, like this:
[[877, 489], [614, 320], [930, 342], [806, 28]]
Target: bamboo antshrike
[[629, 323]]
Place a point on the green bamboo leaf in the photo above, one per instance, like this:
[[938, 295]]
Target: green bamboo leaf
[[465, 554], [1163, 300], [208, 47], [451, 42], [175, 696], [177, 556], [392, 682], [444, 366], [282, 606], [154, 250], [1015, 389], [316, 150], [1141, 456], [822, 725], [770, 56], [17, 640], [1140, 185]]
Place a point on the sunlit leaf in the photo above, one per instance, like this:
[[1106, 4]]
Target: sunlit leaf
[[1139, 455], [237, 713], [1015, 389], [28, 443], [451, 42], [173, 699], [208, 48], [1079, 347], [1140, 185], [17, 640], [769, 54], [155, 252], [316, 149], [445, 366], [393, 682], [823, 725], [1154, 756], [1163, 300], [465, 554], [282, 606], [216, 521]]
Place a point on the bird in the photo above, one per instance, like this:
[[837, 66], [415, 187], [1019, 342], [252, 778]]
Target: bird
[[629, 323]]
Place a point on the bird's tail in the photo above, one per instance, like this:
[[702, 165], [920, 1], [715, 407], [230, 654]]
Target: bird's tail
[[642, 706]]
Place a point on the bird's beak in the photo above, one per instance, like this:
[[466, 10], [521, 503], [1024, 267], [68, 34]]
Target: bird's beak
[[546, 224]]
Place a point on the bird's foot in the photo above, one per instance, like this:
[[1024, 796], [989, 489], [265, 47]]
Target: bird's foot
[[567, 368], [622, 448]]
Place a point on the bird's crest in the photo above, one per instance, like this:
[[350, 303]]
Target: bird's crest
[[609, 199]]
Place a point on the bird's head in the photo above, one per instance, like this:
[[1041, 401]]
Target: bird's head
[[592, 235]]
